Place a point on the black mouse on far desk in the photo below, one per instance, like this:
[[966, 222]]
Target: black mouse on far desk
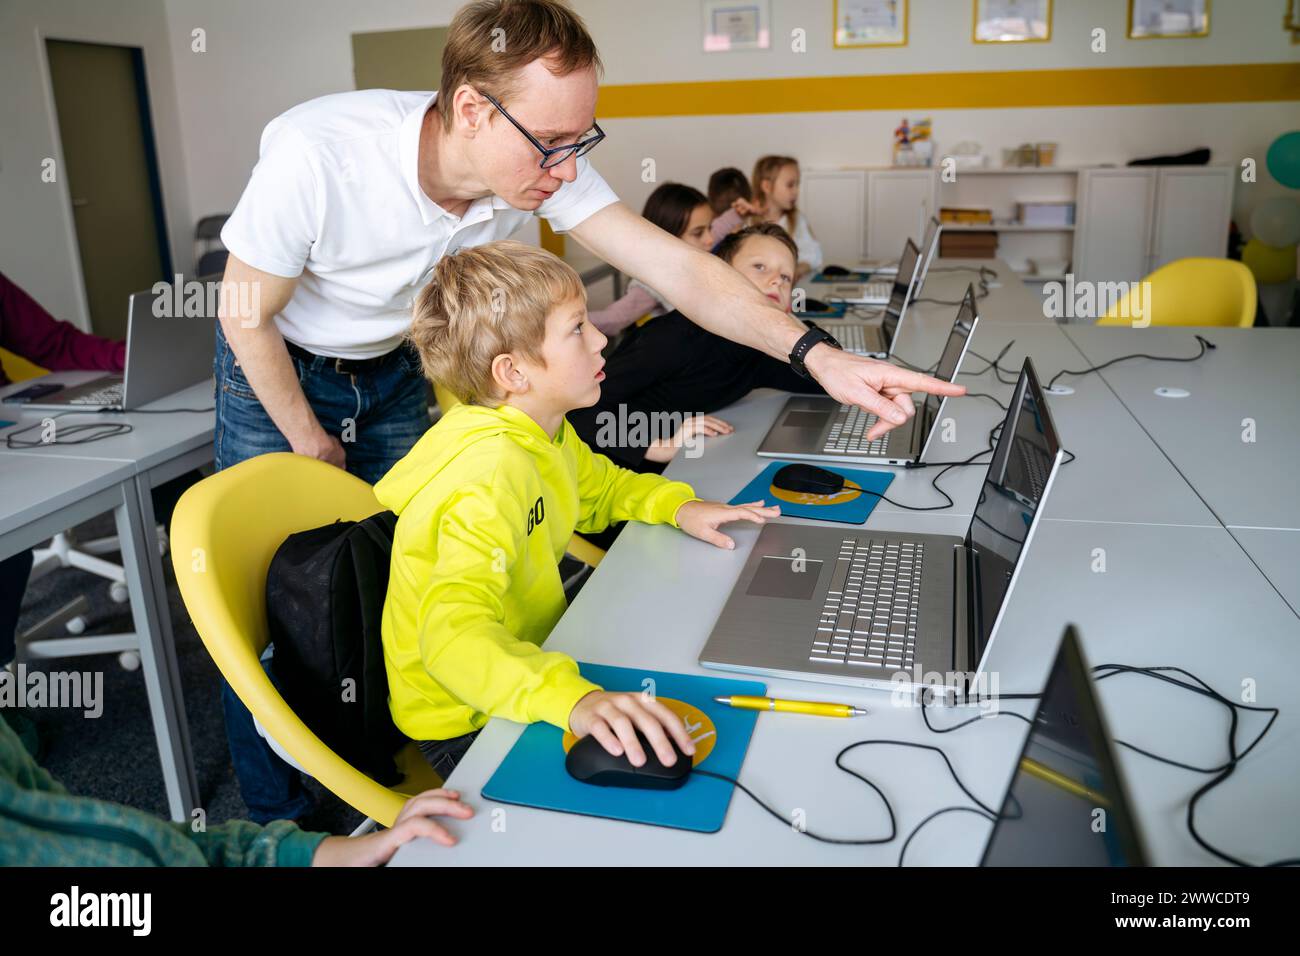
[[808, 479], [589, 762], [834, 271]]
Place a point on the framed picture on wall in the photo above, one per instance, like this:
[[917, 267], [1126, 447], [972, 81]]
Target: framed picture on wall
[[737, 25], [1148, 19], [861, 23], [1012, 21]]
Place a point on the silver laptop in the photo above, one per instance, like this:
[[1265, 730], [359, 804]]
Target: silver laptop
[[163, 355], [877, 339], [880, 609], [1066, 770], [889, 292], [818, 428], [929, 246]]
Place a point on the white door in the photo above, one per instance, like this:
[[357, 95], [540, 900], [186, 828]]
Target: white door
[[899, 201], [1113, 226], [1193, 209], [834, 202]]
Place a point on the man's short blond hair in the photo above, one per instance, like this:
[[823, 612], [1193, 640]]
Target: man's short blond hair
[[485, 301], [490, 41]]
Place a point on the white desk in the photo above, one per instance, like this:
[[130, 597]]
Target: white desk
[[160, 447], [1251, 375]]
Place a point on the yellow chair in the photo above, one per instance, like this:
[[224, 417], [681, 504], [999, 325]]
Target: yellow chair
[[225, 531], [578, 548], [1200, 292], [18, 368]]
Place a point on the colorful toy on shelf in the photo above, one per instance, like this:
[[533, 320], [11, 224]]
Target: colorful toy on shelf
[[912, 144]]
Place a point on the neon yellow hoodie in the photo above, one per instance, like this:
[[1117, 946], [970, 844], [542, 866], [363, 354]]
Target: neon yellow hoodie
[[486, 504]]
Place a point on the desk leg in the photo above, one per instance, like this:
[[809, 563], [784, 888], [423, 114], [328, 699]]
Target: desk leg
[[149, 608]]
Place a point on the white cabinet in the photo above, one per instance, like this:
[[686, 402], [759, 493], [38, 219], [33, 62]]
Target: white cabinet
[[835, 203], [1193, 210], [1113, 238], [1136, 219], [898, 203]]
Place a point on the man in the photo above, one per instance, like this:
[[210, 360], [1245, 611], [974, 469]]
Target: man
[[356, 196]]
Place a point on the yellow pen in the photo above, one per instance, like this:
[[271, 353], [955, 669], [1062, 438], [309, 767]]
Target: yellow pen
[[813, 707]]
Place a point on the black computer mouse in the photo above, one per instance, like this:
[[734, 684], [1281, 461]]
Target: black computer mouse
[[816, 305], [589, 762], [808, 479], [834, 271]]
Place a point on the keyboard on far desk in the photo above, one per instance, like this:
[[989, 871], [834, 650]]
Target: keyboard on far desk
[[849, 433], [108, 395]]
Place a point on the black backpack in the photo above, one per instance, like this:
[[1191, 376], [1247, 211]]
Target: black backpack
[[324, 601]]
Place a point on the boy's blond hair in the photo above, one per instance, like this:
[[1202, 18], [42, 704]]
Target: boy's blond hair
[[485, 301]]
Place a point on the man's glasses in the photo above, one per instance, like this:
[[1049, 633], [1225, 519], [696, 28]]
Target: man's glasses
[[552, 155]]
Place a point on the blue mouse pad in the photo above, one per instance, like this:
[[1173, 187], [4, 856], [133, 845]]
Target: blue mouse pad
[[850, 506], [533, 774], [854, 275], [833, 310]]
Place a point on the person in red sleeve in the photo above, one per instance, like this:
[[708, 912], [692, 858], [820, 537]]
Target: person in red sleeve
[[28, 330]]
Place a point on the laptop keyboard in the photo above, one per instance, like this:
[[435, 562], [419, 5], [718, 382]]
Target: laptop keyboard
[[108, 395], [869, 618], [1037, 466], [854, 338], [848, 433]]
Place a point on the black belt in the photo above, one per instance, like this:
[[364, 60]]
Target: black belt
[[345, 366]]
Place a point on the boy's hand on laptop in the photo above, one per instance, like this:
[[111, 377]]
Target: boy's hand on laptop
[[614, 718], [664, 449], [415, 820], [700, 519], [876, 386]]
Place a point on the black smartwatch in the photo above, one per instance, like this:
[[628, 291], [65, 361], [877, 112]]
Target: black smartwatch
[[813, 336]]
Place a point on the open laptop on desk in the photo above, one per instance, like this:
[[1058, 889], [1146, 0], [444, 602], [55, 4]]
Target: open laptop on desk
[[163, 355], [1067, 771], [818, 428], [877, 339], [880, 609], [929, 246]]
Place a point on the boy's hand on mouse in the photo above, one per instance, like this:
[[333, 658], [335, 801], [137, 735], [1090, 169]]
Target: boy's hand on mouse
[[664, 449], [415, 820], [613, 718], [700, 519]]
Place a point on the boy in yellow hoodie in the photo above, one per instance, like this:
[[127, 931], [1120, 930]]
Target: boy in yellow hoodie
[[487, 501]]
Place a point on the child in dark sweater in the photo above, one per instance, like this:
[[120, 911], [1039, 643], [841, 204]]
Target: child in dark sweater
[[672, 367]]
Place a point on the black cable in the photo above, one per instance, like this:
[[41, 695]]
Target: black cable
[[100, 430], [1205, 346], [985, 276]]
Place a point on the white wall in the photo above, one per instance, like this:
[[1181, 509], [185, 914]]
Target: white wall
[[38, 244], [263, 57]]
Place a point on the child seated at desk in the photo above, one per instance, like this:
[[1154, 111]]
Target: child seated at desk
[[673, 366], [776, 199], [680, 211], [487, 501]]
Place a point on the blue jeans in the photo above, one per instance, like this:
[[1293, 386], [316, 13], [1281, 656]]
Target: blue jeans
[[387, 409]]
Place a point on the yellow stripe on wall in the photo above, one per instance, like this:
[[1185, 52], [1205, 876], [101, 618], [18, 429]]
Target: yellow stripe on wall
[[1126, 86]]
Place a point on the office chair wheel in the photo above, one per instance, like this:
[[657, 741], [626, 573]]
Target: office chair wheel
[[76, 625], [118, 593], [130, 660]]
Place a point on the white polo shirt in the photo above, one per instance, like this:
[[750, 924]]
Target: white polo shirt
[[335, 198]]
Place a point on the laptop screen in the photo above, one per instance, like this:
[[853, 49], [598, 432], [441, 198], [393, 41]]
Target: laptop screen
[[898, 295], [953, 350], [1017, 477], [929, 244], [1066, 805]]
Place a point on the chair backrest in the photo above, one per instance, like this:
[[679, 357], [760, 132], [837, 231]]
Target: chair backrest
[[19, 369], [224, 532], [1191, 292]]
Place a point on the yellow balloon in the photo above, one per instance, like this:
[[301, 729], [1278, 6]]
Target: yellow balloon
[[1269, 263]]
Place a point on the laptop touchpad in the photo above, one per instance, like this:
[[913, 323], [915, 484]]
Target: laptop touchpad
[[812, 421], [781, 577]]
